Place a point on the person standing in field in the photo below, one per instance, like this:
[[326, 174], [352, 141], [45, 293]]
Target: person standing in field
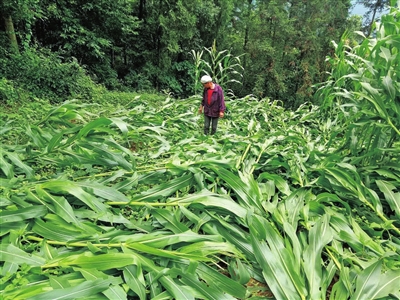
[[212, 104]]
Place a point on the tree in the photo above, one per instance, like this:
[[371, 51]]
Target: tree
[[374, 8], [9, 28]]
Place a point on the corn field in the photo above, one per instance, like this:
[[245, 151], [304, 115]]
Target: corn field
[[127, 199]]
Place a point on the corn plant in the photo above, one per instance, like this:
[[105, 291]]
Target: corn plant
[[131, 201], [222, 66], [364, 87]]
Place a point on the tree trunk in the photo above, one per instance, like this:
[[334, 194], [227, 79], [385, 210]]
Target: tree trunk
[[11, 33], [373, 17]]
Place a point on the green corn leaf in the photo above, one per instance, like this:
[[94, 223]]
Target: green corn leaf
[[169, 220], [13, 254], [55, 142], [368, 281], [374, 97], [133, 276], [103, 191], [239, 239], [15, 226], [161, 240], [9, 216], [114, 292], [207, 248], [215, 279], [7, 168], [387, 284], [240, 188], [275, 260], [61, 205], [36, 135], [155, 286], [391, 197], [319, 235], [208, 199], [165, 189], [296, 246], [122, 125], [81, 291], [9, 268], [277, 280], [76, 190], [206, 291], [178, 291], [385, 53], [59, 282], [164, 253], [92, 126], [103, 153], [55, 231], [162, 296], [100, 262], [239, 271], [280, 183], [389, 86], [18, 162]]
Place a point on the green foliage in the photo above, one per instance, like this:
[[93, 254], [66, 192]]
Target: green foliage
[[46, 76], [364, 89], [222, 66], [8, 93], [145, 45]]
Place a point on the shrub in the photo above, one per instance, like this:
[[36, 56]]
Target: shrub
[[45, 75]]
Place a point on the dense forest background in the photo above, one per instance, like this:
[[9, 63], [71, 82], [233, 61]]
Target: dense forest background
[[275, 49]]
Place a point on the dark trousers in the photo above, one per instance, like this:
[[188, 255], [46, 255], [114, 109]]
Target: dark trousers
[[210, 120]]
